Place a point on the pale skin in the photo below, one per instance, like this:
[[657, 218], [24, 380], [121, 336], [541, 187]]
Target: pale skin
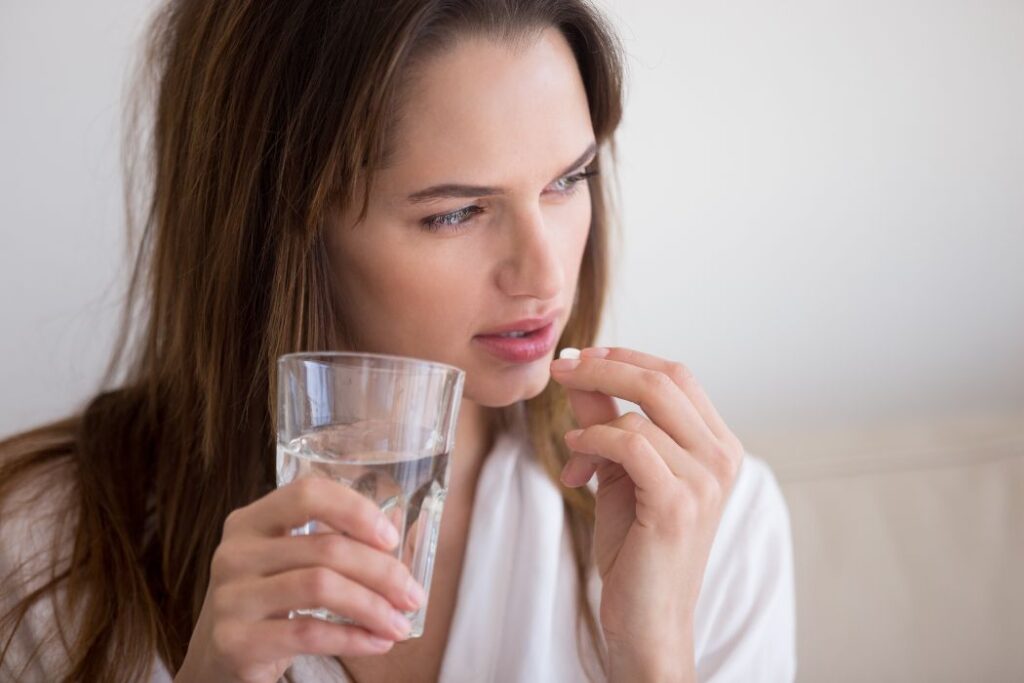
[[663, 476]]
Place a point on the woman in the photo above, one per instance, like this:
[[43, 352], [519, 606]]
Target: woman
[[412, 178]]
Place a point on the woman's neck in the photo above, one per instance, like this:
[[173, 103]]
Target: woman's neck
[[474, 438]]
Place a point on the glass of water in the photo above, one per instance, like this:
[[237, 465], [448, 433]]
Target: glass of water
[[383, 425]]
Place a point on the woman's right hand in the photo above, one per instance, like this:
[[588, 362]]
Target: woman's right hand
[[259, 572]]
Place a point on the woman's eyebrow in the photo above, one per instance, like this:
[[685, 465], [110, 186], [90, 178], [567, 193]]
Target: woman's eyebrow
[[450, 190], [588, 155]]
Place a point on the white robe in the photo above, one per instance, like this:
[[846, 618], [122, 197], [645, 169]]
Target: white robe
[[515, 616]]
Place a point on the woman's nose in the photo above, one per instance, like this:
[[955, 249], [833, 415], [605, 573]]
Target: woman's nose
[[533, 265]]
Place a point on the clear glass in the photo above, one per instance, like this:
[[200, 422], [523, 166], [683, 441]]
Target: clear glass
[[383, 425]]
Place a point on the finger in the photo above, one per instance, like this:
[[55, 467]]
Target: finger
[[678, 372], [681, 463], [285, 638], [377, 570], [297, 503], [589, 408], [632, 450], [311, 588], [675, 456], [580, 469], [658, 395]]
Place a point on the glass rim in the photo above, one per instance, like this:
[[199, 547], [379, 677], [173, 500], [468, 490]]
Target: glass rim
[[324, 358]]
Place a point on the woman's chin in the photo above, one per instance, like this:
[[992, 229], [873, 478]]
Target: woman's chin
[[499, 394]]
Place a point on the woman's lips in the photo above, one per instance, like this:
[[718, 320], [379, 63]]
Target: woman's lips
[[527, 349]]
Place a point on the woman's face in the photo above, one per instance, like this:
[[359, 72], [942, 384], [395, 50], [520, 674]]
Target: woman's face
[[482, 115]]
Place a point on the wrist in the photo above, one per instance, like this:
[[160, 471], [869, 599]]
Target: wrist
[[630, 669], [669, 662]]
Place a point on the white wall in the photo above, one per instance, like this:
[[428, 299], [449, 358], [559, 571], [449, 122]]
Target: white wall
[[63, 66], [823, 203]]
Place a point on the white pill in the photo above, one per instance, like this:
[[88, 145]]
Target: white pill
[[569, 352]]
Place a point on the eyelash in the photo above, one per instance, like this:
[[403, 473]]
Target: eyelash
[[454, 219]]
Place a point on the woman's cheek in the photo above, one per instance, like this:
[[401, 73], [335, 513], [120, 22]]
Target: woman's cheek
[[580, 231]]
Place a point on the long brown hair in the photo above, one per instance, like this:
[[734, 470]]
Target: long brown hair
[[265, 115]]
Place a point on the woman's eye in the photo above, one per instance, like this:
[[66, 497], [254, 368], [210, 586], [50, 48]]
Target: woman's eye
[[453, 220], [450, 220], [570, 183]]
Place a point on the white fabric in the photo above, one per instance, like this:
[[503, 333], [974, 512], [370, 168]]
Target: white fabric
[[515, 616]]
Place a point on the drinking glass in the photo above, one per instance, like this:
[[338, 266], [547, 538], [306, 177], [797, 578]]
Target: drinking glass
[[382, 425]]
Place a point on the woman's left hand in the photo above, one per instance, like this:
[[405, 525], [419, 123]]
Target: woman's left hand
[[663, 480]]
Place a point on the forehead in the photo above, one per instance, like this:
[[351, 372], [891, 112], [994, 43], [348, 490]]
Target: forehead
[[484, 105]]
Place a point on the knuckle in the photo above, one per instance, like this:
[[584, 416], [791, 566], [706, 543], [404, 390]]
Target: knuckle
[[633, 421], [231, 522], [731, 466], [636, 444], [307, 633], [333, 549], [655, 381], [225, 638], [726, 461], [735, 445], [706, 489], [359, 509], [680, 373], [320, 585], [221, 600], [307, 492], [720, 452], [627, 355]]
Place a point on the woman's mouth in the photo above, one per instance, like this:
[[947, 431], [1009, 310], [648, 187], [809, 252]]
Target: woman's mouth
[[520, 346]]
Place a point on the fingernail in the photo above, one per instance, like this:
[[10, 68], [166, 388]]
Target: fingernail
[[568, 476], [379, 643], [563, 478], [596, 352], [573, 434], [416, 594], [400, 623], [563, 364], [387, 532]]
